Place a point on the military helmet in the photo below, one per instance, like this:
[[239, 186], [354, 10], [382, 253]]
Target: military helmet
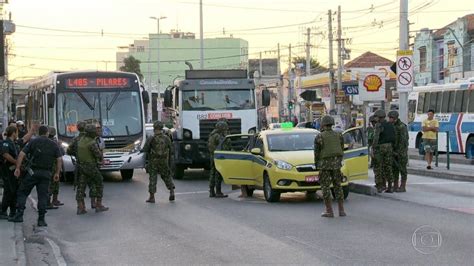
[[90, 128], [327, 121], [221, 126], [158, 125], [379, 113], [393, 114], [81, 126], [52, 131]]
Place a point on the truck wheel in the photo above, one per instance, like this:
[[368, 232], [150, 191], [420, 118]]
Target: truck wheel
[[248, 190], [179, 172], [127, 174], [470, 148], [270, 194]]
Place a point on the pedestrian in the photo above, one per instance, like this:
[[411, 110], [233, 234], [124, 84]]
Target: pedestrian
[[215, 179], [21, 129], [159, 149], [370, 137], [400, 152], [41, 153], [328, 155], [89, 158], [53, 202], [384, 138], [430, 137], [9, 154]]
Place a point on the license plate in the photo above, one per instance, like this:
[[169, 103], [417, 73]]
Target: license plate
[[312, 178], [106, 161]]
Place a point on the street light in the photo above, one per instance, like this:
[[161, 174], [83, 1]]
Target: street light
[[158, 46]]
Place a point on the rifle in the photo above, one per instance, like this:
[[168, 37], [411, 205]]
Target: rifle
[[26, 166]]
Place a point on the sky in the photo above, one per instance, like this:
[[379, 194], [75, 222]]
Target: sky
[[78, 35]]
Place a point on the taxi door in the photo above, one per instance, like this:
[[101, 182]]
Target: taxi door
[[235, 165], [356, 154]]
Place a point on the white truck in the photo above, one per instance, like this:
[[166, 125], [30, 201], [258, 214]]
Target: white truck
[[199, 101]]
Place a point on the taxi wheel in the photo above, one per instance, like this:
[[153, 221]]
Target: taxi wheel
[[311, 195], [248, 190], [270, 194]]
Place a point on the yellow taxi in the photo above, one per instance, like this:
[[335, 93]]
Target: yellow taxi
[[282, 160]]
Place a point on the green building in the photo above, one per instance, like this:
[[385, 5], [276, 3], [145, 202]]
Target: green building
[[177, 51]]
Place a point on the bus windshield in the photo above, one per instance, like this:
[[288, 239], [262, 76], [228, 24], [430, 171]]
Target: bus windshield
[[214, 99], [118, 111]]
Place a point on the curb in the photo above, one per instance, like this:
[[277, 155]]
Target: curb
[[441, 175], [362, 189], [464, 161]]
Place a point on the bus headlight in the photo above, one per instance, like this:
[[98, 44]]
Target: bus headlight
[[136, 146], [187, 147], [64, 145], [187, 134]]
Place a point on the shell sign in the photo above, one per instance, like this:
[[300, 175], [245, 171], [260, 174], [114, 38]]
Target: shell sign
[[372, 86], [372, 83]]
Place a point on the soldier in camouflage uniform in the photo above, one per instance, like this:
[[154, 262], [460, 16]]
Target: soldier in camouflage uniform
[[159, 149], [328, 155], [53, 202], [370, 136], [89, 158], [384, 138], [400, 151], [215, 179]]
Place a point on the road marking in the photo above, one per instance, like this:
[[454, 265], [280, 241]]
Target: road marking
[[56, 252], [465, 210], [442, 183], [192, 192]]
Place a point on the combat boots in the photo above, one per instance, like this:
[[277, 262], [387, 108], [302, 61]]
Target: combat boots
[[212, 192], [340, 204], [99, 207], [395, 186], [18, 218], [81, 207], [328, 213], [219, 193], [402, 186], [41, 221], [56, 202], [151, 199], [50, 205], [93, 203], [389, 188], [171, 195]]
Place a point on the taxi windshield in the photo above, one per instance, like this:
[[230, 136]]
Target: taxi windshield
[[291, 142]]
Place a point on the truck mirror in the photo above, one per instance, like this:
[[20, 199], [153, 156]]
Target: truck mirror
[[51, 100], [168, 99], [265, 97], [146, 97]]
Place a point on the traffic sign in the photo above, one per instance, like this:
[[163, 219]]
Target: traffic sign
[[351, 89], [404, 70]]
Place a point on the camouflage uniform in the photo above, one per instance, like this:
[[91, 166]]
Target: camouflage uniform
[[215, 179], [328, 155], [384, 136], [400, 151], [370, 138], [159, 149], [54, 185], [89, 158]]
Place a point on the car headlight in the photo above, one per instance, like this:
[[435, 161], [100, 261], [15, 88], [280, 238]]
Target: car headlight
[[187, 134], [283, 165], [64, 145]]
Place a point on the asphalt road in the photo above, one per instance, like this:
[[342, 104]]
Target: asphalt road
[[196, 229]]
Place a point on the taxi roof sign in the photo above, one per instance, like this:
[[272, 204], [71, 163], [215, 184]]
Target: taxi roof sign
[[287, 125]]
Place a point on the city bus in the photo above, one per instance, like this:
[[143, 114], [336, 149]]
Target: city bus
[[453, 104], [116, 100]]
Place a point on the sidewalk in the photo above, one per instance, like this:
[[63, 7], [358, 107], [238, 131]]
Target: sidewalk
[[461, 172], [12, 247]]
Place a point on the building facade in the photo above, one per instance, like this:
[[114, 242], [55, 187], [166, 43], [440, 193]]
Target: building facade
[[445, 55], [179, 48]]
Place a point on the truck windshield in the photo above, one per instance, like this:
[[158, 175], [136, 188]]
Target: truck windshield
[[118, 112], [215, 99]]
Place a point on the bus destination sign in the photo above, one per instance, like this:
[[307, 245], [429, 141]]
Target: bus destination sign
[[97, 83]]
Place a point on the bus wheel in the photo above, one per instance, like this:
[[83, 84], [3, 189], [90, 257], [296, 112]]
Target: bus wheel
[[127, 174], [421, 148], [179, 172], [470, 148]]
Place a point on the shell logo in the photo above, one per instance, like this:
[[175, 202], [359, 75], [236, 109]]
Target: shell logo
[[372, 83]]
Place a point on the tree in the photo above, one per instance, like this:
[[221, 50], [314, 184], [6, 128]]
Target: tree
[[315, 66], [131, 64]]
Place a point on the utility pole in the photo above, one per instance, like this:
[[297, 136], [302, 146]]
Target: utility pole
[[308, 51], [290, 87], [403, 37], [280, 87], [339, 57], [3, 76], [201, 33], [332, 103]]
